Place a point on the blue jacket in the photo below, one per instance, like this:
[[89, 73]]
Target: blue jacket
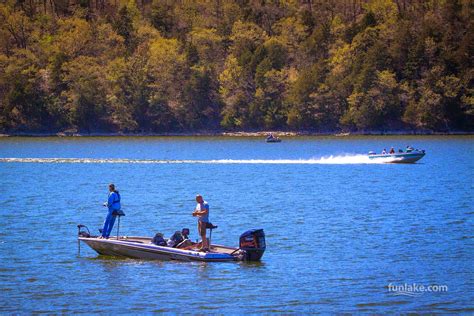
[[113, 203]]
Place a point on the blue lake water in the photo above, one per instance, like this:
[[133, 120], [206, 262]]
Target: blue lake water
[[340, 230]]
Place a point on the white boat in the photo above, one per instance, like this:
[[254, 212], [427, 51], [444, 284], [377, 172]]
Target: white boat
[[251, 248], [409, 156]]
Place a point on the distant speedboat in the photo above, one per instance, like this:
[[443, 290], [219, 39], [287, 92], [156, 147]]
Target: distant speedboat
[[409, 156], [251, 248]]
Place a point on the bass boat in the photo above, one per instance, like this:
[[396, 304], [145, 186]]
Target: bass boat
[[251, 247], [410, 156], [272, 139]]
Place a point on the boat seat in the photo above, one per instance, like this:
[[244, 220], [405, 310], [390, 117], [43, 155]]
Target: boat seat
[[118, 213], [210, 226]]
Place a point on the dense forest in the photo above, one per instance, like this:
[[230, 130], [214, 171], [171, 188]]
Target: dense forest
[[209, 65]]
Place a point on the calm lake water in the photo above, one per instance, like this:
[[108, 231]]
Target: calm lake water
[[340, 230]]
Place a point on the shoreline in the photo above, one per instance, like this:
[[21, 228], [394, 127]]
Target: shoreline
[[241, 134]]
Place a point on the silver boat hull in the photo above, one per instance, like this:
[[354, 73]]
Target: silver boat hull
[[411, 157], [273, 140], [142, 248]]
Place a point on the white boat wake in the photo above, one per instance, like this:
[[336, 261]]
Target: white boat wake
[[329, 160]]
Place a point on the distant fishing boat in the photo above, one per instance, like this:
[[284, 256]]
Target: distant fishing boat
[[410, 156], [272, 139]]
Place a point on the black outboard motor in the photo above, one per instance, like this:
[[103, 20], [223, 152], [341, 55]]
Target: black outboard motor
[[253, 243]]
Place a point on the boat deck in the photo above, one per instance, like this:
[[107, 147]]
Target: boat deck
[[194, 247]]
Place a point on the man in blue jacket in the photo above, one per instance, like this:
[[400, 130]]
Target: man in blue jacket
[[113, 204]]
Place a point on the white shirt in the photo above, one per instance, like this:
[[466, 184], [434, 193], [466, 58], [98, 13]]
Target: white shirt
[[201, 207]]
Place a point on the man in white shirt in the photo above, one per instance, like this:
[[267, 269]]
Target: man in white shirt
[[202, 213]]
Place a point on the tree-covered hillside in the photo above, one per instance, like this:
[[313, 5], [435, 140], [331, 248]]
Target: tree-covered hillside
[[158, 66]]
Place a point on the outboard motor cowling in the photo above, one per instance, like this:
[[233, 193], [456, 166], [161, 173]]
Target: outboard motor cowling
[[253, 243]]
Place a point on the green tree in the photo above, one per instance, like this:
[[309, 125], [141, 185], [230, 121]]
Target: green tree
[[16, 29], [121, 111], [162, 65], [22, 100], [162, 17], [124, 27], [268, 109], [236, 94], [85, 97], [374, 108]]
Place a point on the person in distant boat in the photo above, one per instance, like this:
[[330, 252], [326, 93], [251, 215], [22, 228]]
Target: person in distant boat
[[384, 151], [202, 213], [392, 150], [409, 149], [113, 204], [270, 136]]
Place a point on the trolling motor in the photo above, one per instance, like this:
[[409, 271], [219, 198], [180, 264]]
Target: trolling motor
[[252, 242], [81, 233]]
